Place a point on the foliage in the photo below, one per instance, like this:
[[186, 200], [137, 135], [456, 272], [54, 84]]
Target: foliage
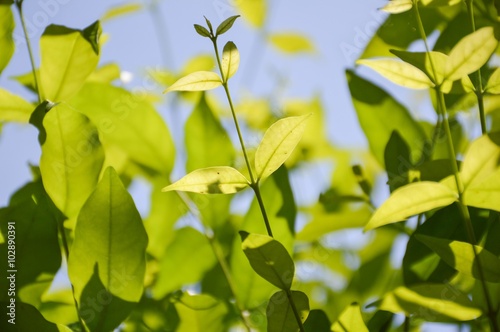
[[196, 263]]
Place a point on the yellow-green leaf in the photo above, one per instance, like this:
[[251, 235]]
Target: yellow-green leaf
[[197, 81], [230, 60], [278, 143], [410, 200], [121, 10], [493, 85], [211, 180], [439, 3], [14, 107], [471, 53], [399, 72], [254, 11], [350, 320], [397, 6], [7, 26], [291, 42]]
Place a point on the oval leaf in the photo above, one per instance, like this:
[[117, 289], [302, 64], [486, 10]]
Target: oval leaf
[[230, 60], [350, 320], [280, 315], [202, 31], [493, 85], [291, 43], [278, 143], [269, 258], [397, 6], [471, 53], [197, 81], [433, 64], [410, 200], [211, 180], [226, 25], [399, 72]]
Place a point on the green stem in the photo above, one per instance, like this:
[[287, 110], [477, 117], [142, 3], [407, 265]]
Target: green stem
[[19, 5], [295, 311], [256, 190]]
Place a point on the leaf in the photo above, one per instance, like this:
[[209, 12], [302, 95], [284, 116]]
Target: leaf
[[181, 265], [493, 85], [67, 59], [7, 26], [197, 81], [460, 256], [277, 144], [201, 313], [432, 302], [291, 42], [230, 60], [350, 320], [255, 11], [120, 10], [280, 316], [105, 74], [399, 72], [211, 180], [397, 6], [471, 53], [317, 321], [397, 161], [14, 108], [433, 64], [202, 31], [72, 158], [439, 3], [412, 199], [108, 260], [269, 259], [28, 318], [226, 25]]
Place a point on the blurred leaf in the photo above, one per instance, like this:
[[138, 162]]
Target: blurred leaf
[[14, 108], [72, 158], [201, 313], [280, 316], [493, 85], [397, 6], [27, 80], [105, 74], [202, 62], [7, 26], [226, 25], [439, 3], [28, 318], [230, 60], [67, 59], [411, 200], [277, 144], [108, 260], [255, 11], [211, 180], [397, 161], [197, 81], [120, 10], [460, 256], [291, 42], [317, 321], [350, 320], [269, 259]]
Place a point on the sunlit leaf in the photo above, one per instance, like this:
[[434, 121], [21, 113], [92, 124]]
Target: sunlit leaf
[[105, 74], [278, 143], [439, 3], [255, 11], [471, 53], [493, 85], [269, 259], [433, 63], [410, 200], [108, 254], [230, 60], [197, 81], [291, 42], [14, 108], [7, 26], [399, 72], [67, 59], [202, 62], [201, 313], [280, 316], [460, 256], [121, 10], [226, 25], [350, 320], [211, 180], [397, 6]]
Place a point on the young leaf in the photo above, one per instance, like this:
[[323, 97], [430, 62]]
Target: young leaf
[[121, 10], [269, 259], [202, 31], [460, 256], [254, 11], [399, 72], [197, 81], [278, 143], [397, 6], [211, 180], [350, 320], [493, 85], [230, 60], [471, 53], [433, 64], [439, 3], [226, 25], [7, 26], [209, 24], [14, 108], [410, 200], [280, 316], [108, 256], [292, 43]]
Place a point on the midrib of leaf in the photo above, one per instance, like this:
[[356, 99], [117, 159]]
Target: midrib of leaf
[[465, 59], [64, 78], [273, 269]]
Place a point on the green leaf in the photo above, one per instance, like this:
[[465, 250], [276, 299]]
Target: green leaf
[[269, 258], [397, 161], [350, 320], [120, 10], [410, 200], [181, 265], [7, 26], [291, 42], [226, 25], [72, 158], [397, 6], [14, 108], [280, 316], [471, 53], [431, 302], [433, 64], [278, 143], [211, 180], [399, 72], [108, 260], [105, 74], [460, 256], [317, 321], [439, 3], [28, 318], [493, 85], [67, 59], [197, 81], [254, 11], [202, 31], [230, 60], [209, 24], [201, 313]]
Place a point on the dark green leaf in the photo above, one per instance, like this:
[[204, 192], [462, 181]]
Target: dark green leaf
[[202, 31], [28, 318], [92, 33], [397, 161], [209, 24], [226, 25], [280, 315], [317, 321]]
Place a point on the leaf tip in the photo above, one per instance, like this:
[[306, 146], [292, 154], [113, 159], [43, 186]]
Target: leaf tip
[[243, 235]]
